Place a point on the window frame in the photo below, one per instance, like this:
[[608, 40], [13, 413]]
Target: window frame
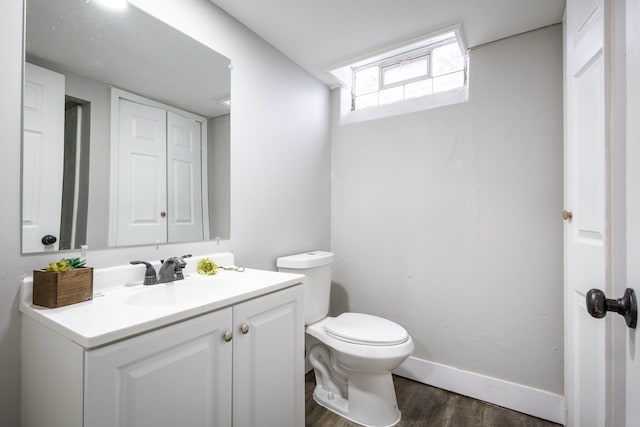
[[382, 67], [404, 57]]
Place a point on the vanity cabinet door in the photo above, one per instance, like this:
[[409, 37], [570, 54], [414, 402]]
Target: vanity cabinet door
[[179, 375], [268, 360]]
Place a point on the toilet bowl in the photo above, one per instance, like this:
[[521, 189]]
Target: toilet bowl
[[353, 372], [352, 354]]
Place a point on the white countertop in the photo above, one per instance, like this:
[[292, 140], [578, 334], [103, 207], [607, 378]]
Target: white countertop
[[122, 308]]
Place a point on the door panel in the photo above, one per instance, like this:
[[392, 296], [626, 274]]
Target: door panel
[[176, 376], [587, 406], [633, 202], [185, 179], [43, 157], [586, 234], [268, 361], [141, 177], [143, 199], [581, 16]]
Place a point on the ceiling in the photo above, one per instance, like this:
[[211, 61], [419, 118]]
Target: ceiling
[[323, 34], [83, 38]]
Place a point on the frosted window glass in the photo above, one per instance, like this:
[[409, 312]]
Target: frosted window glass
[[449, 81], [447, 59], [406, 71], [366, 81], [395, 94], [438, 65], [364, 101], [421, 88]]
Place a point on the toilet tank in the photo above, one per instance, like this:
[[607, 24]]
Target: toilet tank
[[316, 266]]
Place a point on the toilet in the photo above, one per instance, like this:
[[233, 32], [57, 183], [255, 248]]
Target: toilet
[[353, 354]]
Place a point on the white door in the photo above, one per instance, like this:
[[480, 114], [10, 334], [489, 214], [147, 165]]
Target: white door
[[602, 387], [141, 178], [586, 233], [184, 178], [632, 374], [176, 376], [43, 157], [268, 361]]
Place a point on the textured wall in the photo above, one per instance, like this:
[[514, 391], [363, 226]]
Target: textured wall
[[448, 220]]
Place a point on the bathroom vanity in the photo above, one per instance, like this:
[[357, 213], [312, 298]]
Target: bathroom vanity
[[217, 350]]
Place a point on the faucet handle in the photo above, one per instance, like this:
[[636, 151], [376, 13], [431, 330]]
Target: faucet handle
[[150, 277], [180, 265]]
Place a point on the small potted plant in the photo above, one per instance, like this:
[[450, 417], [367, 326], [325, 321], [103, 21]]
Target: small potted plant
[[64, 282]]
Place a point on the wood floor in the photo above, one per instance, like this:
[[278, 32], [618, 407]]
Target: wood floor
[[425, 406]]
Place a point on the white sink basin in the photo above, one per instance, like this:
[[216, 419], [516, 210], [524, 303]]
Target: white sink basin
[[188, 291], [122, 307]]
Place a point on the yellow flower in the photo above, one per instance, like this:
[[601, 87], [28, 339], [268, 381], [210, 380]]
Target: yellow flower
[[207, 267], [62, 265]]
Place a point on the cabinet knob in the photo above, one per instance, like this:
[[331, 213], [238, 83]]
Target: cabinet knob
[[244, 329], [227, 336], [567, 215]]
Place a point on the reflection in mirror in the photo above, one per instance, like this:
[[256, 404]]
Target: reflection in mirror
[[126, 131]]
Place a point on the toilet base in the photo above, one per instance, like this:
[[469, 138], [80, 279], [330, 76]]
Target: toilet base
[[371, 400]]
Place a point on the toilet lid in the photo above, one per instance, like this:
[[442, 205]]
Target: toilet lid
[[365, 329]]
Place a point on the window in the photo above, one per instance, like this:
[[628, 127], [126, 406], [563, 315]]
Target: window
[[437, 65]]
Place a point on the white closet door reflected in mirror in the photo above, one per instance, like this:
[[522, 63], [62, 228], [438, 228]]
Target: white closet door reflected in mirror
[[157, 189], [186, 174]]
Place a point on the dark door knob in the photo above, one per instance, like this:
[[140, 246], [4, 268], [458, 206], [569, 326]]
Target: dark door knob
[[598, 305], [48, 240]]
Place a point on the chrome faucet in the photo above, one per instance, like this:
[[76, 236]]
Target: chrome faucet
[[149, 274], [171, 269], [179, 267]]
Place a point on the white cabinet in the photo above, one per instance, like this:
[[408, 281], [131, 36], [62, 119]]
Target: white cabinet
[[185, 374], [180, 375], [268, 361]]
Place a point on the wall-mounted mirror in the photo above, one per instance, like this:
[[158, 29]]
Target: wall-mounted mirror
[[126, 130]]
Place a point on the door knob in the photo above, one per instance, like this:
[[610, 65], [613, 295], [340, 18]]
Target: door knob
[[598, 305], [48, 240], [567, 215]]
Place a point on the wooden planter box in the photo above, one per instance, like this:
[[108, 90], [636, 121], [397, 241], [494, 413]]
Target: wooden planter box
[[57, 289]]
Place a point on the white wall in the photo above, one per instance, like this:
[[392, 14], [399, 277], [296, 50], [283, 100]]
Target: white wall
[[218, 161], [448, 220], [280, 166]]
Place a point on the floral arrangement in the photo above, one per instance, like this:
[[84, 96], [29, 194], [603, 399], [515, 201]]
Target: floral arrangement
[[63, 282], [209, 268], [65, 264]]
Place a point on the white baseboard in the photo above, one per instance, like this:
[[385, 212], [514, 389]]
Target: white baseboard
[[528, 400]]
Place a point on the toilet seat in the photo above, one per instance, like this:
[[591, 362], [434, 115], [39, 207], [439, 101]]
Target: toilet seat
[[365, 329]]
